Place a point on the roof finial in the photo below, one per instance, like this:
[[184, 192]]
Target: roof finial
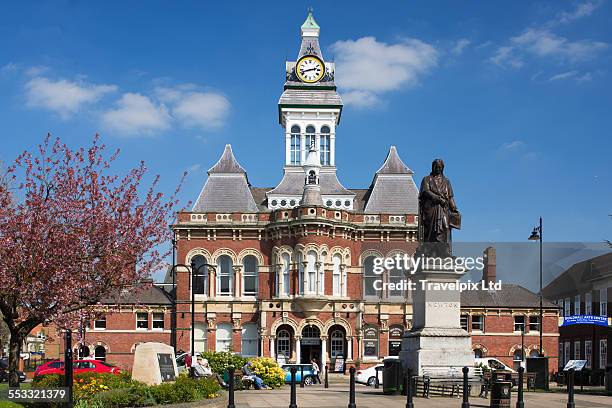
[[310, 23]]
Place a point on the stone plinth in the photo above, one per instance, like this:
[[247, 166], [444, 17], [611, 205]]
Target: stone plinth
[[154, 363], [436, 340]]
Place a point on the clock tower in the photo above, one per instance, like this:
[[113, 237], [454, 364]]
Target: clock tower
[[309, 111]]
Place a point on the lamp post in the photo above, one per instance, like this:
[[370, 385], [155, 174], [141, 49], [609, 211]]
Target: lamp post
[[173, 316], [536, 235], [195, 271]]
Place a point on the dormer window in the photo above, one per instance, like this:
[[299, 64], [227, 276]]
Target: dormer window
[[324, 146], [296, 145]]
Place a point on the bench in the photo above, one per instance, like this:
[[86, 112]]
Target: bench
[[444, 381]]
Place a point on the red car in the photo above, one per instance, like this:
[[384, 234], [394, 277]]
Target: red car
[[79, 366]]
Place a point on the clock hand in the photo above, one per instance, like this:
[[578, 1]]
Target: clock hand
[[306, 70]]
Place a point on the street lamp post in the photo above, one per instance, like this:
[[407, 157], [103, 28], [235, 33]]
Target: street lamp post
[[173, 316], [536, 235], [195, 271]]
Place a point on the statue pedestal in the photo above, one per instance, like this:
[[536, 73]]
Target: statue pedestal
[[436, 339]]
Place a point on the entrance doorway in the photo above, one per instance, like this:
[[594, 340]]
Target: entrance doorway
[[310, 345]]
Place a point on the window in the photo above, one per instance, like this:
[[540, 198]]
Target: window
[[283, 344], [566, 307], [311, 270], [158, 321], [142, 321], [310, 140], [577, 350], [519, 323], [300, 262], [100, 323], [534, 323], [100, 353], [588, 352], [369, 278], [324, 143], [464, 321], [283, 280], [200, 337], [337, 344], [477, 322], [566, 352], [577, 305], [603, 353], [249, 340], [561, 356], [250, 275], [588, 304], [224, 337], [517, 358], [296, 149], [603, 302], [370, 341], [225, 275], [396, 276], [478, 353], [200, 275], [336, 275], [84, 351]]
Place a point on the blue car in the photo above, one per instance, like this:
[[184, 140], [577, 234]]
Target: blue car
[[306, 369]]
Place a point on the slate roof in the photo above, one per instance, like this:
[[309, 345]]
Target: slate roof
[[227, 188], [579, 277], [310, 97], [509, 296], [393, 190], [151, 295], [293, 184]]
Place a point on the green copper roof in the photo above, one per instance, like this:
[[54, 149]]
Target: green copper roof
[[310, 21]]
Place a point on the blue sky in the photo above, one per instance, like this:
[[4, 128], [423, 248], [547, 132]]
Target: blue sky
[[514, 96]]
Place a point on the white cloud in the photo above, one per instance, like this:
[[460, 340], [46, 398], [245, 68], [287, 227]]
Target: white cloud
[[460, 46], [575, 75], [36, 70], [365, 67], [513, 145], [582, 10], [63, 97], [360, 99], [135, 115], [543, 43], [202, 109]]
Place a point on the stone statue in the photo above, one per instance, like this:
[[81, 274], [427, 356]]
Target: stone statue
[[438, 211]]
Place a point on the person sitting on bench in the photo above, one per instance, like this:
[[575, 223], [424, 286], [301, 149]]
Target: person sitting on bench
[[258, 382], [203, 370]]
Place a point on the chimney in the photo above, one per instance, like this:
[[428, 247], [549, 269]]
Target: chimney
[[489, 271]]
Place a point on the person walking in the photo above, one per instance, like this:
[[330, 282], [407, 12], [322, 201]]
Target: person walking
[[316, 368]]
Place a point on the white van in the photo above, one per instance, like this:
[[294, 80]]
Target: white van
[[493, 364]]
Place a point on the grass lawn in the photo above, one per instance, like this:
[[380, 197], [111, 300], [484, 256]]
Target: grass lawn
[[8, 404]]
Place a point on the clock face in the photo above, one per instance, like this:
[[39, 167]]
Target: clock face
[[310, 69]]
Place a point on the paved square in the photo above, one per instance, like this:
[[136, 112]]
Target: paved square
[[337, 396]]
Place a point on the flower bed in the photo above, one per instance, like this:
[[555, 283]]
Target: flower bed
[[92, 390]]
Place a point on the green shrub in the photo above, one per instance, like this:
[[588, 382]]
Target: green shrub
[[134, 396], [220, 360], [48, 381]]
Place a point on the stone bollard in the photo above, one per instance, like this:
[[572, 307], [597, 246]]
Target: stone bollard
[[466, 389], [519, 393], [292, 402], [326, 379], [351, 403], [230, 379], [570, 389], [408, 386]]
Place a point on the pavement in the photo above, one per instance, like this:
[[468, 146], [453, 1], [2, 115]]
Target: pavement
[[316, 396]]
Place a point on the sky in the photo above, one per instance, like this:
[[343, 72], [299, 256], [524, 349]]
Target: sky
[[515, 96]]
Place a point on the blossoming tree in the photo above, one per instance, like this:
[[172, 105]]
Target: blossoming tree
[[73, 233]]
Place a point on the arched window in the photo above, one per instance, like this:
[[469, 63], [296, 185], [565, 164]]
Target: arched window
[[337, 283], [200, 278], [225, 275], [370, 341], [83, 351], [311, 271], [310, 138], [100, 353], [396, 275], [296, 145], [285, 276], [325, 146], [478, 353], [200, 337], [249, 275], [534, 353], [337, 344], [249, 340], [517, 358], [300, 262], [283, 344], [224, 337], [370, 278]]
